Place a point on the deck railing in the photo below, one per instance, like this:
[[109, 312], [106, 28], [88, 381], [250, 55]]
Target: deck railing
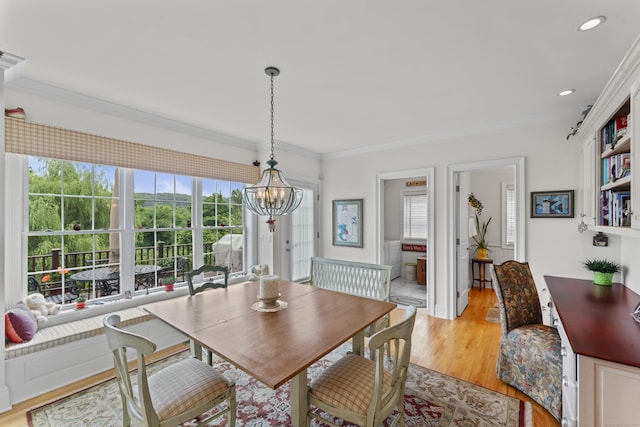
[[160, 254]]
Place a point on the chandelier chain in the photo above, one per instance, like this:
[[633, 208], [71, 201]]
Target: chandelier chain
[[272, 156]]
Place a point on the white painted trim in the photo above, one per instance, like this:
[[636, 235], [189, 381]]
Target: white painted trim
[[429, 173], [59, 94], [89, 102], [288, 148], [8, 60], [456, 133], [614, 93], [80, 100], [518, 164], [16, 213]]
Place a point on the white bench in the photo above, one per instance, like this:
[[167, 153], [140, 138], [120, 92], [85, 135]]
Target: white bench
[[61, 354], [355, 278]]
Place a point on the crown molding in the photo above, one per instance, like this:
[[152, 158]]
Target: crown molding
[[290, 148], [56, 93], [8, 60], [614, 93], [77, 99], [458, 133]]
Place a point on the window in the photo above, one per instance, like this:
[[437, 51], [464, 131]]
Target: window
[[509, 214], [162, 228], [303, 236], [80, 241], [415, 215], [222, 223], [70, 226]]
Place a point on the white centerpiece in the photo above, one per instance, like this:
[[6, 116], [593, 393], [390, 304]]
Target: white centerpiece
[[269, 291]]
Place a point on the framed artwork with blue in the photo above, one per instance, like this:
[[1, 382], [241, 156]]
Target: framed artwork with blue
[[347, 223], [552, 204]]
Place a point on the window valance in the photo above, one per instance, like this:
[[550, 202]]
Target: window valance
[[34, 139]]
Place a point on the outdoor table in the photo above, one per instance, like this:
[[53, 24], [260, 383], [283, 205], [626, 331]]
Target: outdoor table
[[105, 275]]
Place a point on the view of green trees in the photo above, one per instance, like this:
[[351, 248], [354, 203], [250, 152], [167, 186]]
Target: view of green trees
[[77, 198]]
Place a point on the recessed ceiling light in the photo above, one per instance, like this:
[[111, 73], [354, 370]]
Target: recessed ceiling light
[[566, 92], [592, 23]]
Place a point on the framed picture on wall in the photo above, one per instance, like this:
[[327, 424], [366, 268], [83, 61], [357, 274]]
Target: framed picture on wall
[[552, 204], [347, 223]]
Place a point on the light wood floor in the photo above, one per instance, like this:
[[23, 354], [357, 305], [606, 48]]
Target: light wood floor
[[465, 348]]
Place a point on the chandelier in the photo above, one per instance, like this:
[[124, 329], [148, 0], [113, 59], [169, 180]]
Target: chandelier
[[272, 195]]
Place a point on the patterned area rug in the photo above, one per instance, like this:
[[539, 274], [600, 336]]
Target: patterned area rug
[[431, 399]]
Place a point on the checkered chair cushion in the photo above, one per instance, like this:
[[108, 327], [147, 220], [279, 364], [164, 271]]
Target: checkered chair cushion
[[184, 385], [362, 391], [348, 384]]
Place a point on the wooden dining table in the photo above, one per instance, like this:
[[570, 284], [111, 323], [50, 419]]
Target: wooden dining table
[[273, 347]]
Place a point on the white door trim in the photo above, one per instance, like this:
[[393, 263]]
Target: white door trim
[[519, 248], [429, 173]]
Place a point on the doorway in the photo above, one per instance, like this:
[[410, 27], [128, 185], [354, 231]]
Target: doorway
[[458, 280], [300, 234], [383, 216]]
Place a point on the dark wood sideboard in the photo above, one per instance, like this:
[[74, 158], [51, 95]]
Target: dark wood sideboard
[[597, 318], [600, 352]]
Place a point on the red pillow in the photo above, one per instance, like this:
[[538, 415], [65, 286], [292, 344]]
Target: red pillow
[[20, 324]]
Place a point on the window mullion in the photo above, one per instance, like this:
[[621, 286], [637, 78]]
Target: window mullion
[[127, 235], [196, 222]]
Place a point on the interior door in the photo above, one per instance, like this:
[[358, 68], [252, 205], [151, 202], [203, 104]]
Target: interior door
[[300, 235], [462, 242]]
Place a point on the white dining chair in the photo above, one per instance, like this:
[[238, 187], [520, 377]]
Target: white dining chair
[[177, 393]]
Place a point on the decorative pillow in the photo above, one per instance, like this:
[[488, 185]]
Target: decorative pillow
[[20, 324]]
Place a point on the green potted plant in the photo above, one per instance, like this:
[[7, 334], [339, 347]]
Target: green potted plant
[[81, 302], [603, 270], [168, 283], [480, 238]]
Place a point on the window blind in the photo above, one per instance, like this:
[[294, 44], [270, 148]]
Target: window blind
[[415, 216], [34, 139]]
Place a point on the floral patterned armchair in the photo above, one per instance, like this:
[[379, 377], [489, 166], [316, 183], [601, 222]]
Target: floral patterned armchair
[[529, 358]]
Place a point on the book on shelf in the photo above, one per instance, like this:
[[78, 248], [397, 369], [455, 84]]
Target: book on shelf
[[615, 208], [616, 167], [613, 131]]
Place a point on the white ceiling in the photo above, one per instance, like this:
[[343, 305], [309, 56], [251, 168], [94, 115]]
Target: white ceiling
[[354, 73]]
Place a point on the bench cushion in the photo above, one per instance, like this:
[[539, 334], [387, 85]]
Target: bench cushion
[[73, 331]]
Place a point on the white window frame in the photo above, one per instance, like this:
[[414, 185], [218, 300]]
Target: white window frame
[[17, 212], [505, 189]]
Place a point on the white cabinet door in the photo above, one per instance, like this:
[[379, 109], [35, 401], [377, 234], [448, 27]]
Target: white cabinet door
[[608, 393], [588, 191], [635, 155]]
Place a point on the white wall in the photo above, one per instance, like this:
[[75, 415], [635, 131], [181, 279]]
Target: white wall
[[486, 186], [393, 220], [553, 246]]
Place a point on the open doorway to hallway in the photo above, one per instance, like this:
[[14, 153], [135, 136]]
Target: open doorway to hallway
[[490, 182], [405, 224]]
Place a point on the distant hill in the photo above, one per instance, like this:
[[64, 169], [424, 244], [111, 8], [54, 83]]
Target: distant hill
[[147, 199]]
